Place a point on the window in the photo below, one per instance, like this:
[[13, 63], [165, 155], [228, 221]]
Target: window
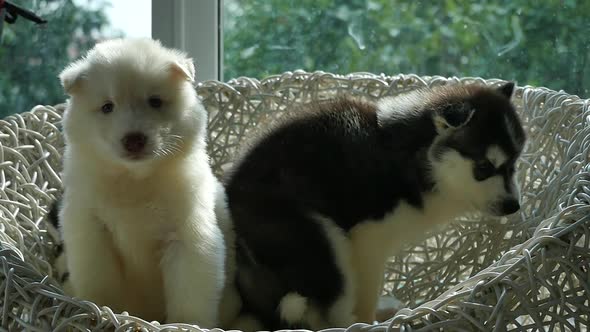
[[540, 43], [31, 56]]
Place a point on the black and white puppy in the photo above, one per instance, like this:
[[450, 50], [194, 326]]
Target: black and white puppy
[[322, 200]]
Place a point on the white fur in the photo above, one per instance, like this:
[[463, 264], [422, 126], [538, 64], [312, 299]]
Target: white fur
[[61, 269], [231, 302], [400, 107], [292, 307], [372, 242], [340, 313], [141, 235], [496, 156], [454, 175]]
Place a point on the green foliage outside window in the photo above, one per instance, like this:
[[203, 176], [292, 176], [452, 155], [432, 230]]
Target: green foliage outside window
[[32, 56], [542, 43]]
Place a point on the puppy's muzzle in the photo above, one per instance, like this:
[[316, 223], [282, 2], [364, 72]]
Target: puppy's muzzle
[[505, 207], [134, 143], [510, 206]]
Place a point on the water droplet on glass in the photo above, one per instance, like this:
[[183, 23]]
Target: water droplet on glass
[[355, 31]]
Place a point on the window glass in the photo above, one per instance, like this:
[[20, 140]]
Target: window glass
[[542, 43], [31, 55]]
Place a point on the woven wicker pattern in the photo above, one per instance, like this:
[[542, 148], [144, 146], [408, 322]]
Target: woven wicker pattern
[[527, 273]]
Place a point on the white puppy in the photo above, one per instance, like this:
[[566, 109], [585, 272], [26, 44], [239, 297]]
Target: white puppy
[[137, 214]]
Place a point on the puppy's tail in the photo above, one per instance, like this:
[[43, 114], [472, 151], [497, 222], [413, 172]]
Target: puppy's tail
[[61, 268], [53, 215], [292, 308], [54, 225]]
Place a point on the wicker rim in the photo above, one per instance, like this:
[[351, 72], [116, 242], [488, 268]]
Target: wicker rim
[[33, 300]]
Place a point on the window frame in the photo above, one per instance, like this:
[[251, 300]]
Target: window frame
[[194, 26]]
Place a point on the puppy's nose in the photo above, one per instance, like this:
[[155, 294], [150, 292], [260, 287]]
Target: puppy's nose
[[134, 142], [510, 206]]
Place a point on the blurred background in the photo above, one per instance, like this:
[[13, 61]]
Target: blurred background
[[542, 43]]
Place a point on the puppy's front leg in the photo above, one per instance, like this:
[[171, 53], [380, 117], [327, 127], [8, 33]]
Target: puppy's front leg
[[92, 260], [193, 281], [368, 261]]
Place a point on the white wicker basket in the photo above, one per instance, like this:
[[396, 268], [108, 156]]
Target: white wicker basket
[[527, 273]]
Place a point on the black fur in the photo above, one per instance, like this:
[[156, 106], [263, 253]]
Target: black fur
[[507, 89], [53, 218], [457, 115], [338, 160], [53, 215]]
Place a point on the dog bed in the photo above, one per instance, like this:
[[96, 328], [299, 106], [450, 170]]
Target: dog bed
[[529, 272]]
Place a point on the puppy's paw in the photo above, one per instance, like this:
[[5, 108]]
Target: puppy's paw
[[387, 307]]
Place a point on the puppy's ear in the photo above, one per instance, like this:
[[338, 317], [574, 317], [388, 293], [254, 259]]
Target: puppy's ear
[[453, 116], [506, 89], [183, 69], [72, 76]]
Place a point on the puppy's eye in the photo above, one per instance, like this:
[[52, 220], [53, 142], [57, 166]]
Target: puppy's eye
[[155, 102], [483, 170], [108, 107]]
